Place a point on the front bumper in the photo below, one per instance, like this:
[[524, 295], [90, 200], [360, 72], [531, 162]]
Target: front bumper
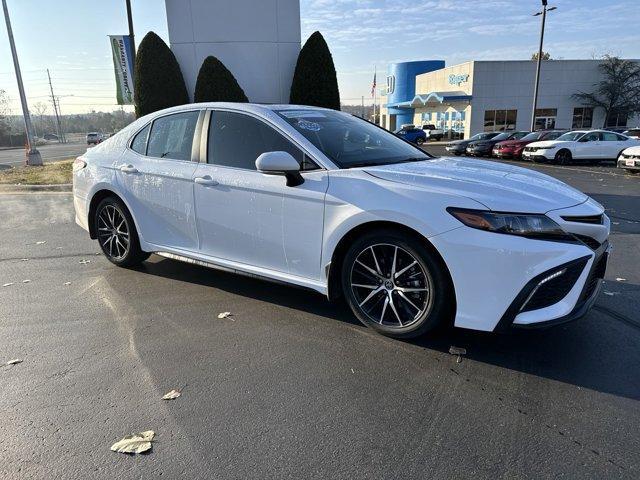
[[478, 151], [491, 270], [629, 163], [582, 295], [536, 156]]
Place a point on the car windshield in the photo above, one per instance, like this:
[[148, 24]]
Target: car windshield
[[483, 136], [350, 141], [570, 136], [532, 136], [501, 136]]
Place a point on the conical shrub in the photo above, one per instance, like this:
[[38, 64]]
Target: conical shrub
[[217, 84], [158, 81], [315, 81]]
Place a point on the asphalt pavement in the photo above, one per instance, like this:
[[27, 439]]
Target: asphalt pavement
[[291, 386], [50, 153]]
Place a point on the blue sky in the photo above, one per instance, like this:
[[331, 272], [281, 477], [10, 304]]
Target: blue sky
[[70, 38]]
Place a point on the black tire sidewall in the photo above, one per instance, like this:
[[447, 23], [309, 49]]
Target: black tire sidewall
[[442, 291], [568, 157], [135, 255]]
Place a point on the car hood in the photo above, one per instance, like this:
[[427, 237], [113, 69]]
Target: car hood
[[498, 186]]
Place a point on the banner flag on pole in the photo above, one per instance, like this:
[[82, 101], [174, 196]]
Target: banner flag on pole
[[123, 66]]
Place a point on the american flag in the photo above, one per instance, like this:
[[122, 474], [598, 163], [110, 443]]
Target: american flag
[[373, 86]]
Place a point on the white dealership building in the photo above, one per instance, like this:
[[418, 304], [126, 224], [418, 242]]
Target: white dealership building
[[479, 96], [257, 40]]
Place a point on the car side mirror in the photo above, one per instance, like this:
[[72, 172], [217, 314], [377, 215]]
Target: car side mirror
[[280, 163]]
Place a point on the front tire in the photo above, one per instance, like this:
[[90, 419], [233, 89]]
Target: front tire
[[420, 141], [117, 235], [563, 157], [395, 285]]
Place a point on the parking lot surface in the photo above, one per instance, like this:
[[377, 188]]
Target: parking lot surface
[[291, 386], [52, 152]]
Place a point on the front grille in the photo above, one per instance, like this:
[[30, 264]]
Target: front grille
[[592, 219], [590, 242], [552, 291]]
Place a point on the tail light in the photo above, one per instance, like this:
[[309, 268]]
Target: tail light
[[78, 164]]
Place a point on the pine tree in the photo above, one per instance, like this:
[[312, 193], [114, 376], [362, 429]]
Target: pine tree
[[217, 84], [314, 81], [158, 81]]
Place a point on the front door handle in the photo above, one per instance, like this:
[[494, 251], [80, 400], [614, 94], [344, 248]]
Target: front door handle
[[128, 169], [207, 181]]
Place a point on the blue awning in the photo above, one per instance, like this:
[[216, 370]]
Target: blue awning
[[433, 99]]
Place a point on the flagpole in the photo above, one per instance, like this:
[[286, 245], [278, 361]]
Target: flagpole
[[375, 94]]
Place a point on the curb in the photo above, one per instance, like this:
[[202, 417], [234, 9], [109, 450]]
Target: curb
[[63, 187]]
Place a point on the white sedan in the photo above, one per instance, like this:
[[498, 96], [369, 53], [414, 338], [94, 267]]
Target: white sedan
[[579, 145], [327, 201]]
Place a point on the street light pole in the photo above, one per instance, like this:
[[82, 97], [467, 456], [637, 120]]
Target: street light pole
[[33, 155], [537, 81], [130, 20]]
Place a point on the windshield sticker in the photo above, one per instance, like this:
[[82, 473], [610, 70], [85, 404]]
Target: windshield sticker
[[301, 114], [311, 126]]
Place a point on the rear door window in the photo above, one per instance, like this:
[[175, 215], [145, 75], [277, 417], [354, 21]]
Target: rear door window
[[172, 136]]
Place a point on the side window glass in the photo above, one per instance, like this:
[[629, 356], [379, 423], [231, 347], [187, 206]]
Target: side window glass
[[139, 143], [609, 137], [237, 140], [593, 137], [172, 136]]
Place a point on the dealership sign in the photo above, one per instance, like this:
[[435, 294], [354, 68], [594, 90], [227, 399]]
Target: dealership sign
[[458, 79], [122, 50]]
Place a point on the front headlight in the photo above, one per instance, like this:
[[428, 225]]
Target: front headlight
[[522, 224], [551, 147]]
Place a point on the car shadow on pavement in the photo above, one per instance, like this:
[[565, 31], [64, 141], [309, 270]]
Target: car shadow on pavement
[[596, 352]]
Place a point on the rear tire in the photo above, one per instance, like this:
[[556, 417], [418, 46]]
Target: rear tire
[[420, 141], [395, 285], [117, 235], [563, 157]]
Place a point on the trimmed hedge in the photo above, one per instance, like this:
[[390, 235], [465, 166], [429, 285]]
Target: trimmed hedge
[[217, 84], [158, 81], [314, 81]]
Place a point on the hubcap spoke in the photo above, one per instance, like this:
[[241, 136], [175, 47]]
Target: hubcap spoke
[[113, 232], [387, 277]]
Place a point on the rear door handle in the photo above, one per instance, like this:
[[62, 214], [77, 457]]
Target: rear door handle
[[207, 181], [128, 169]]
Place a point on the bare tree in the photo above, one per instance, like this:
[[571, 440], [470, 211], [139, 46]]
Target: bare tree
[[618, 93], [4, 113], [545, 56], [40, 108]]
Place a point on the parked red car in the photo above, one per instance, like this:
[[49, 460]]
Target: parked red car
[[513, 148]]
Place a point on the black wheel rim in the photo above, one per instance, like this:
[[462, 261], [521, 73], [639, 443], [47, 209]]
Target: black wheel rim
[[113, 232], [390, 286]]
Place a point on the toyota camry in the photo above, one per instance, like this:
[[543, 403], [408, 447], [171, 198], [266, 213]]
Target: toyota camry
[[326, 201]]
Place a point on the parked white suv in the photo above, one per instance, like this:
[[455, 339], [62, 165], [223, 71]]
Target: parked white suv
[[579, 145]]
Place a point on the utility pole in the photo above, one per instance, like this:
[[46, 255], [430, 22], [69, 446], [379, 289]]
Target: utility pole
[[33, 155], [55, 110], [130, 19], [362, 108], [539, 60]]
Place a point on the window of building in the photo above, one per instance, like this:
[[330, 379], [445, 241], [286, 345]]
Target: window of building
[[139, 143], [546, 118], [426, 117], [617, 119], [500, 120], [582, 117], [237, 140], [172, 136]]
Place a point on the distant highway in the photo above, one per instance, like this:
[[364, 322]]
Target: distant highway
[[50, 153]]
